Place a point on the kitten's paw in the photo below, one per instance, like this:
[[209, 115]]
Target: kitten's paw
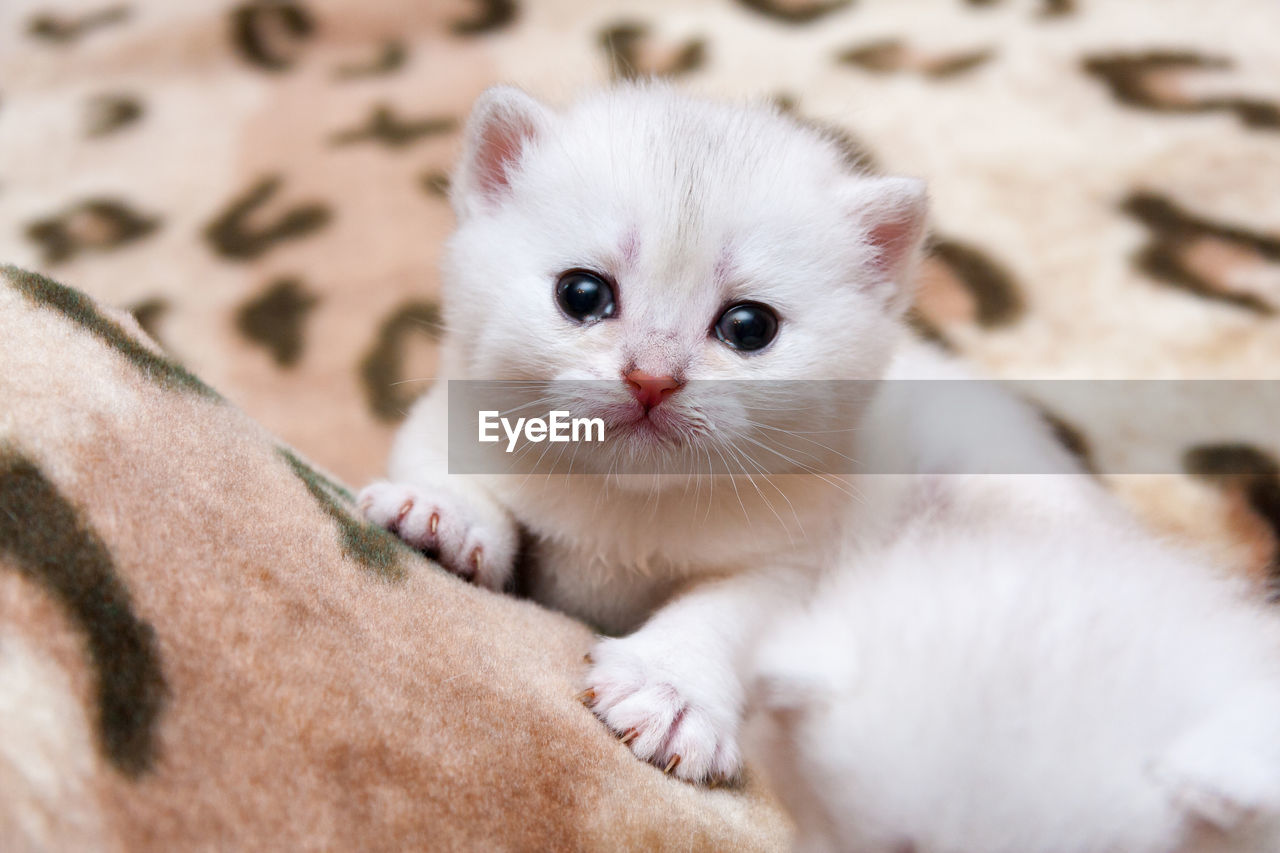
[[467, 538], [670, 714], [1226, 770]]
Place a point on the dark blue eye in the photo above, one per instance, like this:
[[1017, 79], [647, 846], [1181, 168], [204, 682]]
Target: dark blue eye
[[747, 326], [585, 296]]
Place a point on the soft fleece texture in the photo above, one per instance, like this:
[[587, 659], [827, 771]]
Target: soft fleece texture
[[201, 647]]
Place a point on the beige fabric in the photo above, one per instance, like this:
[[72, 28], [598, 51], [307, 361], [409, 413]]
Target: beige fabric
[[309, 699]]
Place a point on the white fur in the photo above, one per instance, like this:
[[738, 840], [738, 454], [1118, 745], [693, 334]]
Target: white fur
[[1069, 686], [689, 205]]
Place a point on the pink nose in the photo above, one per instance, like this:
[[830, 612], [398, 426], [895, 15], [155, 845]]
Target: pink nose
[[651, 390]]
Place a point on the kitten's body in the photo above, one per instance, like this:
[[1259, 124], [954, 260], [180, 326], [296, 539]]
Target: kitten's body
[[1069, 687], [689, 207], [720, 559]]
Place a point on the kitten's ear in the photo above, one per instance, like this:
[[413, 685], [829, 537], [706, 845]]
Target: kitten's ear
[[504, 122], [891, 212], [1226, 771]]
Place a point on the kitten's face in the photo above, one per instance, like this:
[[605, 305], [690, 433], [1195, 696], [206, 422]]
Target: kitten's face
[[676, 265]]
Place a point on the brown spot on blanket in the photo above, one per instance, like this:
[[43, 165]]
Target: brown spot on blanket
[[94, 224], [63, 30], [41, 531], [1198, 254], [1252, 478], [372, 546], [78, 308], [381, 369], [385, 127], [266, 32], [794, 11], [492, 15], [635, 53], [275, 318], [109, 113], [233, 236], [1155, 80]]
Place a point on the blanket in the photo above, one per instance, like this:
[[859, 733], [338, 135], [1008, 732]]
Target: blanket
[[203, 647]]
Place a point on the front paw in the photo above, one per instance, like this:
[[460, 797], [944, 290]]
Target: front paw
[[676, 711], [463, 536]]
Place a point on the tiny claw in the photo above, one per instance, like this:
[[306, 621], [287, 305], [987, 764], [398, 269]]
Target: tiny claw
[[671, 765], [434, 523], [587, 696], [587, 658], [475, 561], [629, 735], [405, 508]]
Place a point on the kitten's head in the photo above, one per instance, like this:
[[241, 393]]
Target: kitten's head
[[650, 244]]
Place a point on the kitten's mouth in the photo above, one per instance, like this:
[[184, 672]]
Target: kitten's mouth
[[659, 424]]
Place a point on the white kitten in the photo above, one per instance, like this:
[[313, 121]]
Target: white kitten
[[645, 241], [1066, 687]]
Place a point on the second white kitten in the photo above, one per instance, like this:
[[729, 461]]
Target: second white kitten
[[1066, 687]]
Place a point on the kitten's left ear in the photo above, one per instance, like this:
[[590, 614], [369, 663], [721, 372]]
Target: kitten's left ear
[[505, 122], [892, 213]]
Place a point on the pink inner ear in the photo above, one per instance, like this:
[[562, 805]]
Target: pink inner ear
[[893, 241], [498, 151]]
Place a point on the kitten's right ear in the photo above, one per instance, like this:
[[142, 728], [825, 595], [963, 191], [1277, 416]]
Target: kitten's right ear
[[504, 123]]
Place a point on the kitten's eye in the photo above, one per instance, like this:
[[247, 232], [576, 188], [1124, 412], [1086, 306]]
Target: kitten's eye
[[747, 326], [585, 296]]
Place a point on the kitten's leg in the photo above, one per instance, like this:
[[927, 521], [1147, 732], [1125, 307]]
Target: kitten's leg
[[672, 690], [451, 518], [1227, 769]]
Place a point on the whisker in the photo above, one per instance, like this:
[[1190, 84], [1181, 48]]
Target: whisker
[[733, 481], [407, 381], [761, 494], [782, 493], [829, 480], [804, 437]]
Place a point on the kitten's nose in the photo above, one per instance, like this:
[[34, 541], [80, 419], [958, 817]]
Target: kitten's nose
[[651, 390]]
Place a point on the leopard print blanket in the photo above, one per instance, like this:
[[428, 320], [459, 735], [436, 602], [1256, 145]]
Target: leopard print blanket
[[202, 647], [261, 184]]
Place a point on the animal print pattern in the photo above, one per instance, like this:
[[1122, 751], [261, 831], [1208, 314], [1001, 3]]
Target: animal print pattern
[[74, 565], [263, 184], [204, 645]]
